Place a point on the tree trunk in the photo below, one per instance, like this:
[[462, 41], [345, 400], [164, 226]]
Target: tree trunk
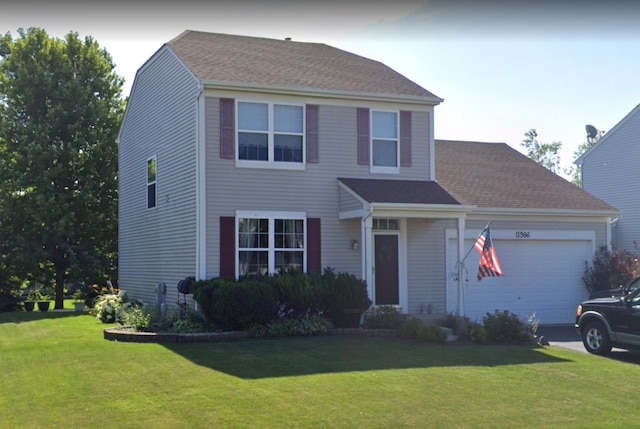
[[60, 266]]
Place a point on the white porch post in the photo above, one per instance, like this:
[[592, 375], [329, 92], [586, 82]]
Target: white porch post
[[367, 252], [461, 270]]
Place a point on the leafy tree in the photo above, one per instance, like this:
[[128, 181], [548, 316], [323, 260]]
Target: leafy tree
[[575, 171], [545, 154], [60, 110]]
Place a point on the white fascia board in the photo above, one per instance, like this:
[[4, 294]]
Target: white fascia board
[[427, 211], [313, 92], [545, 212]]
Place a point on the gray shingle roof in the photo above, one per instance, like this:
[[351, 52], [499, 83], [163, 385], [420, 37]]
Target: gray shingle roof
[[399, 191], [254, 61], [494, 175]]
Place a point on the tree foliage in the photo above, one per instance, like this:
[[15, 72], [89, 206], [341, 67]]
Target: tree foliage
[[575, 172], [545, 154], [60, 111]]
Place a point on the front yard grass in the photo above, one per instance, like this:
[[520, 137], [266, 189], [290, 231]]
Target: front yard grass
[[58, 371]]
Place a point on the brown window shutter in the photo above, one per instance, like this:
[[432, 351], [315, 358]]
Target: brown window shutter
[[363, 136], [227, 246], [227, 128], [312, 133], [314, 254], [405, 139]]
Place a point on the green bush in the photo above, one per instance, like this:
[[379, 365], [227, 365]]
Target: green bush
[[194, 322], [286, 327], [415, 329], [346, 298], [299, 294], [476, 333], [458, 324], [506, 328], [133, 315], [384, 317], [608, 270]]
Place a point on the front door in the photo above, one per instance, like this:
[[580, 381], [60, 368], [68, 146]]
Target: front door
[[386, 269]]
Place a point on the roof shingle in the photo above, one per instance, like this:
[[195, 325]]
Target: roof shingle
[[494, 175], [233, 59], [399, 191]]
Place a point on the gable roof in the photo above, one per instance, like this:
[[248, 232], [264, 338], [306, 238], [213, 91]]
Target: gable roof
[[494, 175], [259, 62], [399, 191], [607, 135]]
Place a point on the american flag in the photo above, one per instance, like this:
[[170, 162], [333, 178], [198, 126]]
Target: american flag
[[489, 264]]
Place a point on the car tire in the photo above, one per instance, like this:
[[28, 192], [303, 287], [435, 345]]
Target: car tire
[[596, 338]]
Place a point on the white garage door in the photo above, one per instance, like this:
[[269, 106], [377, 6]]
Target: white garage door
[[541, 277]]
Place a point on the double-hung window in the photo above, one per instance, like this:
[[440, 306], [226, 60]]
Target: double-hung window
[[152, 169], [384, 142], [271, 133], [270, 243]]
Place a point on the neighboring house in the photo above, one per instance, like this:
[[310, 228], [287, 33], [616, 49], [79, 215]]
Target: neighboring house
[[243, 156], [606, 173]]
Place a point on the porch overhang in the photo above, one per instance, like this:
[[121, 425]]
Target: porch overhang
[[360, 198]]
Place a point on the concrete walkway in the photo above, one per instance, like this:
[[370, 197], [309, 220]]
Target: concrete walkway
[[563, 336]]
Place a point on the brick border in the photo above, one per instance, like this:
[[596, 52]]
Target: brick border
[[129, 336]]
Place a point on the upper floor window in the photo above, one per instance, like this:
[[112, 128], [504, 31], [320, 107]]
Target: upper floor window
[[270, 132], [385, 149], [152, 169]]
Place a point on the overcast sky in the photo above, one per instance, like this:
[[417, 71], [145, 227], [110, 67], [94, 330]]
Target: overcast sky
[[502, 66]]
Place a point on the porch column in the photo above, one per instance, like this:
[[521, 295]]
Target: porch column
[[460, 266], [367, 252]]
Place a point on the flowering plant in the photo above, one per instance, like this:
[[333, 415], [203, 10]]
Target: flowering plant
[[106, 306]]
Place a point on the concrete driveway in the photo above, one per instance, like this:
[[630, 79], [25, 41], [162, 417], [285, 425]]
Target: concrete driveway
[[562, 336], [567, 337]]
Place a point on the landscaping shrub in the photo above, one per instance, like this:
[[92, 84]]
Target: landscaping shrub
[[286, 327], [236, 305], [415, 329], [384, 317], [458, 324], [194, 322], [106, 306], [299, 294], [506, 328], [242, 304], [346, 298], [608, 270], [133, 315], [476, 333]]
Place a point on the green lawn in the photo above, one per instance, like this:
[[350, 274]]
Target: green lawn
[[56, 371]]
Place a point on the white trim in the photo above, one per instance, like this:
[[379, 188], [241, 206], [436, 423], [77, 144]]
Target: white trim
[[432, 148], [270, 163], [201, 191], [378, 168], [313, 92], [271, 250]]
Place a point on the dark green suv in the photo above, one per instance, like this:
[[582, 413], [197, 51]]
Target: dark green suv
[[604, 323]]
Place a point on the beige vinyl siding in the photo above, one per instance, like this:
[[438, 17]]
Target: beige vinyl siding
[[426, 276], [609, 173], [159, 244], [313, 190]]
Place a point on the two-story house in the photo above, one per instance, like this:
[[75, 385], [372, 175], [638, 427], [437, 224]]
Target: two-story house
[[606, 173], [243, 156]]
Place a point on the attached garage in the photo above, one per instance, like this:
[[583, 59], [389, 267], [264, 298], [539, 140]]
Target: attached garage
[[542, 274]]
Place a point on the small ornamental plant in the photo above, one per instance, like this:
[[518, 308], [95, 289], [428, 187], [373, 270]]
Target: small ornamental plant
[[106, 306]]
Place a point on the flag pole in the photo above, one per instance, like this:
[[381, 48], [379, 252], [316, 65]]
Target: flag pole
[[474, 243]]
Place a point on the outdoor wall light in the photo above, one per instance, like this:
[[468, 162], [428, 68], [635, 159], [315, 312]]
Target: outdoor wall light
[[355, 245]]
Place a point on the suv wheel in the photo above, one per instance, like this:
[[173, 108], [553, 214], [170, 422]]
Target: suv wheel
[[595, 338]]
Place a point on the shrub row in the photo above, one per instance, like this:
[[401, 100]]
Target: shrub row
[[246, 303]]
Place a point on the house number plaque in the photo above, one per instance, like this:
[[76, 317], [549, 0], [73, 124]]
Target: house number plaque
[[523, 234]]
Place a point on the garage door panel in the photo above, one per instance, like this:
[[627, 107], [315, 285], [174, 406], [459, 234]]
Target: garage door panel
[[541, 276]]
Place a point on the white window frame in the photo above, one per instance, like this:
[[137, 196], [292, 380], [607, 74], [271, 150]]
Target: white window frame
[[384, 169], [154, 182], [270, 162], [271, 216]]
